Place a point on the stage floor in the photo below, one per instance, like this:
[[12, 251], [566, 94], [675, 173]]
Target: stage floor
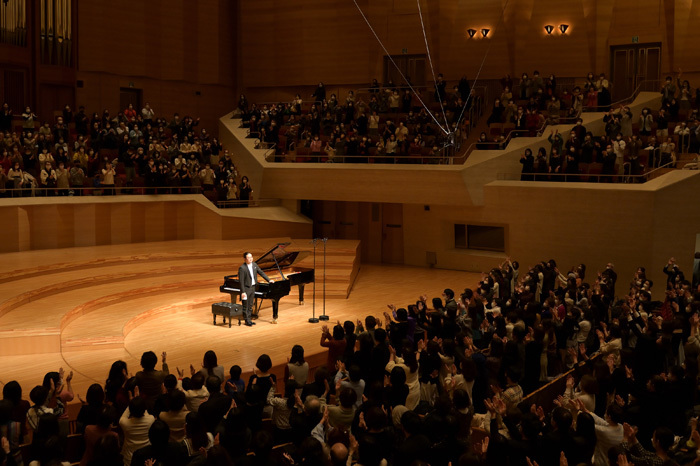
[[161, 301]]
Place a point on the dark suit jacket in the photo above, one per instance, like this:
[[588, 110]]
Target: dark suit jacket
[[247, 284]]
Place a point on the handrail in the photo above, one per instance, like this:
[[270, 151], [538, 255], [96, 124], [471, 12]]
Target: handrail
[[479, 94], [624, 178], [91, 191], [564, 120]]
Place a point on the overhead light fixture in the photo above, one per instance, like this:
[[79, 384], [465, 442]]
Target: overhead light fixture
[[485, 32], [563, 28], [549, 28], [471, 33]]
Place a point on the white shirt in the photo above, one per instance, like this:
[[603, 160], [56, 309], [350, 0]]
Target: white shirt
[[252, 274]]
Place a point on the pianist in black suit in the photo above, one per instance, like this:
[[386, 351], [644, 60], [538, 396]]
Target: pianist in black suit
[[248, 275]]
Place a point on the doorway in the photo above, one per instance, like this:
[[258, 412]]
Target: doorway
[[632, 66], [378, 226], [412, 66], [128, 95]]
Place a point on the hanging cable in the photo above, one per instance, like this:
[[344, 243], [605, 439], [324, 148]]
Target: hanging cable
[[446, 131], [432, 70]]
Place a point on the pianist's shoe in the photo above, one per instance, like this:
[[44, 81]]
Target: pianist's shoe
[[274, 321], [249, 323]]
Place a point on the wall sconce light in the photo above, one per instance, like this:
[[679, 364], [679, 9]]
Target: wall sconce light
[[549, 28], [471, 33], [563, 28], [485, 32]]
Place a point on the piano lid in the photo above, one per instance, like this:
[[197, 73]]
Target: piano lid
[[284, 258]]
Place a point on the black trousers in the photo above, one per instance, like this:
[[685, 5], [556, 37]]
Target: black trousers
[[248, 304]]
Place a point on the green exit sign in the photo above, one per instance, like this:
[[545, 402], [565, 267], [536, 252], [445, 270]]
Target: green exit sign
[[635, 39], [404, 51]]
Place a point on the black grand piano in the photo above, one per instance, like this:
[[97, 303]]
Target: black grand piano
[[278, 265]]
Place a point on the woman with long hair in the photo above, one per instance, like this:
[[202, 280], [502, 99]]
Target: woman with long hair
[[297, 367], [211, 366], [115, 392]]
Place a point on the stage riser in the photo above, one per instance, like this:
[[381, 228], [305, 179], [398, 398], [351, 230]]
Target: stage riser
[[130, 291]]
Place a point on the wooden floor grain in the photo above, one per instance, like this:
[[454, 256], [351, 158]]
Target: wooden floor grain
[[112, 320]]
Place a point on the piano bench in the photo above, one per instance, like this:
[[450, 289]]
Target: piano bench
[[227, 310]]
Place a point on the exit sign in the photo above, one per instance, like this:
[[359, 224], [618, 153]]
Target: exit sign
[[635, 39], [404, 51]]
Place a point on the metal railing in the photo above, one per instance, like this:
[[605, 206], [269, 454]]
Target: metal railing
[[502, 145], [448, 155], [625, 177], [121, 190]]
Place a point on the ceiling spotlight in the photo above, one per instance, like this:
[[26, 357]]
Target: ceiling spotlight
[[471, 33], [563, 28], [485, 32], [549, 28]]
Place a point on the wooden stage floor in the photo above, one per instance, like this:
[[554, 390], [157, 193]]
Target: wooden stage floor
[[84, 308]]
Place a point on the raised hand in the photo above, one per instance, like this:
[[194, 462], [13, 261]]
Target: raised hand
[[622, 460], [193, 371], [629, 433], [5, 444], [562, 460]]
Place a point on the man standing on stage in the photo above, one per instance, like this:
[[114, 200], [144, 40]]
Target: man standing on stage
[[247, 275]]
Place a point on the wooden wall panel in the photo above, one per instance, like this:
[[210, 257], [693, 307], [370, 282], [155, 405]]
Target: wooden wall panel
[[185, 220], [170, 50], [74, 221], [65, 236], [140, 222], [10, 233], [85, 225], [121, 216], [46, 226], [339, 48], [154, 221], [103, 224]]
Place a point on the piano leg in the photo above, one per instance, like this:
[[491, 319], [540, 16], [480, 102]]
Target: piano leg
[[256, 307], [214, 319], [301, 294], [275, 308]]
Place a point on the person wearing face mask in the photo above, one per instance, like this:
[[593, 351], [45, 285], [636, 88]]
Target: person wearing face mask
[[525, 86], [579, 129], [634, 145], [609, 159], [619, 146], [645, 122], [668, 91], [571, 165], [589, 148], [625, 121]]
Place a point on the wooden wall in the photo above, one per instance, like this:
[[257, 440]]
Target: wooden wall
[[630, 227], [297, 43], [170, 50], [45, 223]]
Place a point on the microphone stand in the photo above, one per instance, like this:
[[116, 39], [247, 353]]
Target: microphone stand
[[313, 319], [324, 316]]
